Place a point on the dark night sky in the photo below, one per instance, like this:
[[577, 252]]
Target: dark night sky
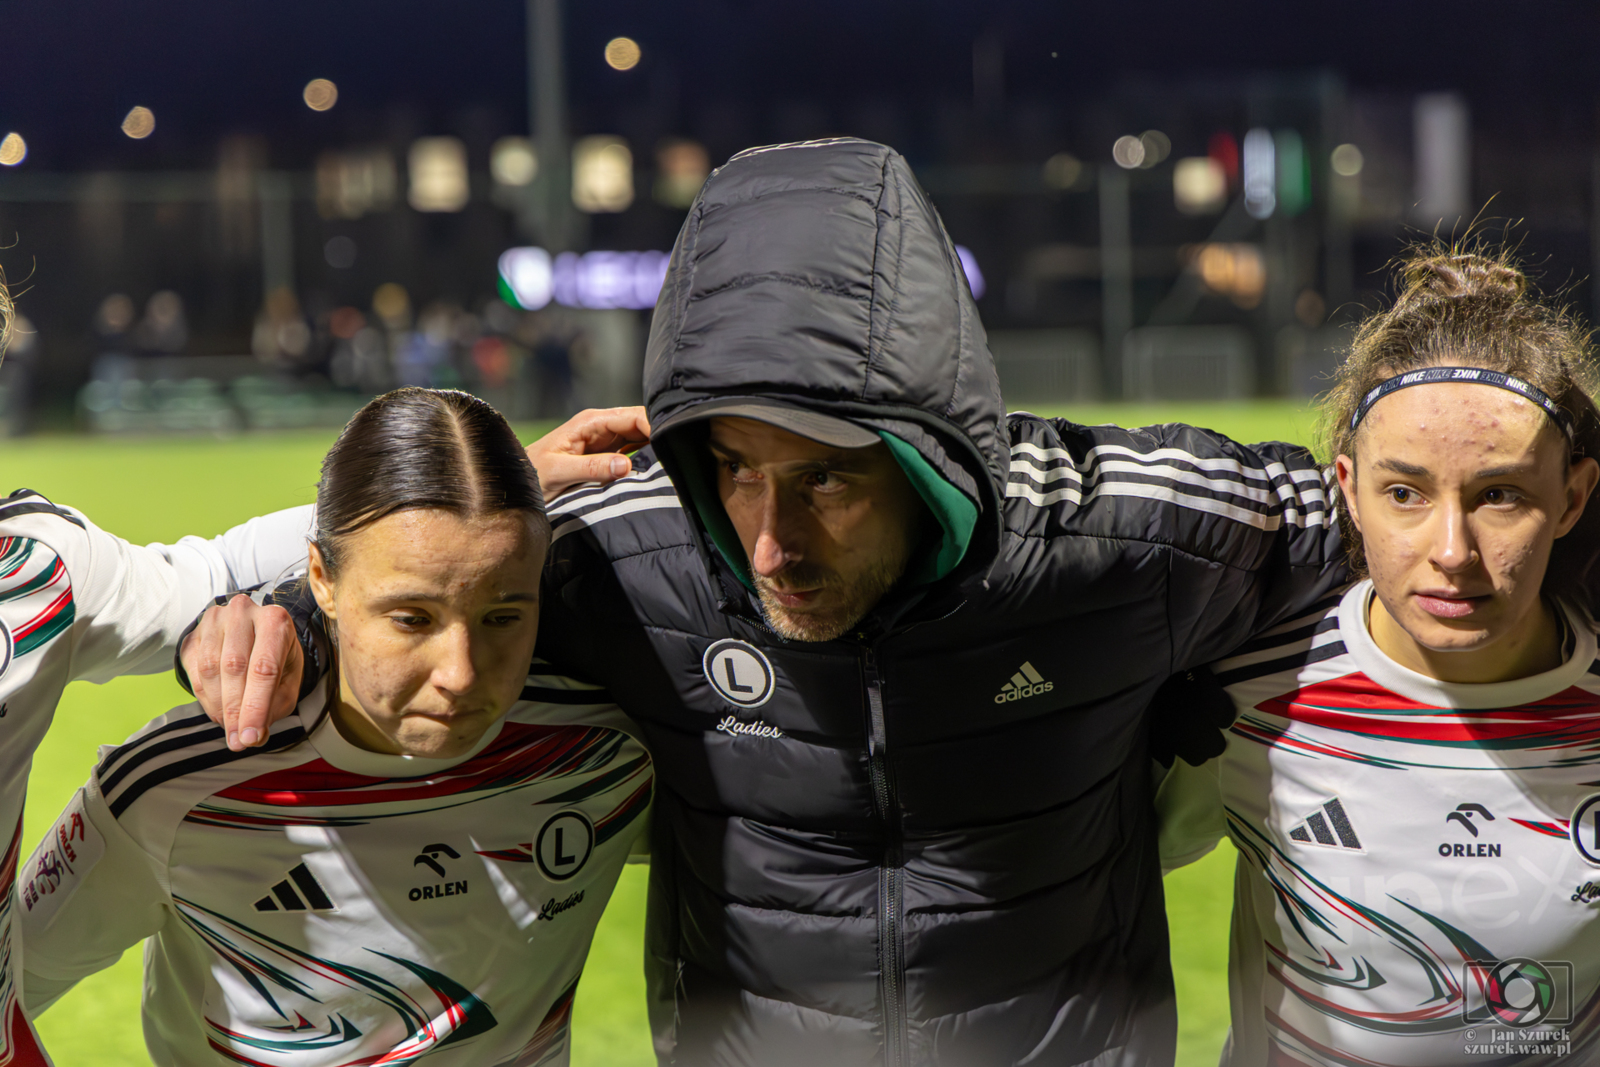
[[211, 67]]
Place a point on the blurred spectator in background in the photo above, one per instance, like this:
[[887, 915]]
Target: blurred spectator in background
[[281, 338], [423, 356], [113, 322], [18, 372], [551, 335], [164, 330], [360, 357]]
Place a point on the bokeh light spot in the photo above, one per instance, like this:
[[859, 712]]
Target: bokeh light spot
[[320, 94], [1347, 161], [139, 123], [13, 150], [1128, 151], [622, 53]]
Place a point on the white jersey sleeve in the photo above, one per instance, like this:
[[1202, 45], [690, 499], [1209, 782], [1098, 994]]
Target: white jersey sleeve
[[116, 607], [1189, 813], [88, 893]]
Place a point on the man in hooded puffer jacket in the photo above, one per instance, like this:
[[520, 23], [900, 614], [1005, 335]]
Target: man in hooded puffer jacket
[[893, 649]]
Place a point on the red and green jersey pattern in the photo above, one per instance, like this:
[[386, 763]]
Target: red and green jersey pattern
[[34, 584], [36, 608], [1419, 862], [316, 904]]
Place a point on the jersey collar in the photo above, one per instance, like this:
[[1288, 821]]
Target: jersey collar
[[332, 747], [1375, 664]]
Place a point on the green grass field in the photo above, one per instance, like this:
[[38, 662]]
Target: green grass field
[[161, 489]]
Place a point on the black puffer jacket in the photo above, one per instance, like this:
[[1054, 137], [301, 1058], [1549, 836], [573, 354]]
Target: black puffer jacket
[[929, 842]]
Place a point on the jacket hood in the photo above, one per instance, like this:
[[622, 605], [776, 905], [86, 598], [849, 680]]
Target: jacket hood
[[818, 273]]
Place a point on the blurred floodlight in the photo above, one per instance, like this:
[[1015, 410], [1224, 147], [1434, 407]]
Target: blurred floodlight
[[602, 174], [681, 169], [392, 304], [139, 123], [526, 277], [1128, 151], [1443, 139], [969, 267], [512, 161], [13, 150], [1233, 270], [1294, 175], [350, 184], [1346, 161], [1062, 170], [1199, 185], [622, 53], [320, 94], [1157, 147], [1260, 174], [1225, 150], [438, 174]]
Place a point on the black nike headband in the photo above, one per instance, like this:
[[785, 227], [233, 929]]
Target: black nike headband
[[1475, 375]]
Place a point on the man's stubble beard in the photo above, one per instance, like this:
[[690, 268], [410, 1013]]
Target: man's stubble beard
[[860, 597]]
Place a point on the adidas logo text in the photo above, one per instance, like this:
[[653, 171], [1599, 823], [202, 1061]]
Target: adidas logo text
[[1026, 683]]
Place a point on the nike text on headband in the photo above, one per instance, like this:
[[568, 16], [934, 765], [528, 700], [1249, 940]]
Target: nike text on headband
[[1476, 375]]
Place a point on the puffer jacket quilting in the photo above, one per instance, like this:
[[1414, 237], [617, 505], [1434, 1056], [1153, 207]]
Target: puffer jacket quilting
[[930, 841]]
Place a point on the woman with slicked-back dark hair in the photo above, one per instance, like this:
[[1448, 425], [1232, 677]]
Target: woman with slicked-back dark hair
[[1411, 779], [413, 864], [421, 448]]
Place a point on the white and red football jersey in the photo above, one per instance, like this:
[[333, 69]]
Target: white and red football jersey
[[77, 603], [1419, 861], [313, 903]]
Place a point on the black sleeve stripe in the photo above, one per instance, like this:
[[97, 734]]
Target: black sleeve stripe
[[596, 504], [1287, 637], [13, 511], [203, 762], [652, 478], [1272, 666], [566, 696], [1220, 467], [1242, 496], [122, 750]]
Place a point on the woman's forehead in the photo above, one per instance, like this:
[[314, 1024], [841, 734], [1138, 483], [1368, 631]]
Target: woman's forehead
[[436, 545], [1456, 418]]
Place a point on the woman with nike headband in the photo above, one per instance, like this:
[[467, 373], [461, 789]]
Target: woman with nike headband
[[414, 863], [1413, 777]]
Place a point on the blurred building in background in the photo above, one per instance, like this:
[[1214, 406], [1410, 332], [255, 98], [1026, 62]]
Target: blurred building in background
[[1163, 236]]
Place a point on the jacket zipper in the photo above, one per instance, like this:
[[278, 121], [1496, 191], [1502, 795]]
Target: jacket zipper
[[891, 875]]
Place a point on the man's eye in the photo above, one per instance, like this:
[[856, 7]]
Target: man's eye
[[410, 622], [1401, 495], [509, 618], [1498, 497], [827, 481]]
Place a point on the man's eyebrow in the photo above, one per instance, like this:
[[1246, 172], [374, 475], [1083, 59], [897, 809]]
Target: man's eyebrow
[[1401, 467]]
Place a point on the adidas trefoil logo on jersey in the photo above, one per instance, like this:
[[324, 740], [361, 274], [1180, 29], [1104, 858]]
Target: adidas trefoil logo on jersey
[[1321, 826], [310, 897], [1026, 683]]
